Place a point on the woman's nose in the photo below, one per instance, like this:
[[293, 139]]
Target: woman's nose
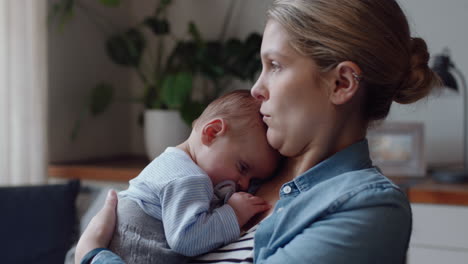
[[258, 91]]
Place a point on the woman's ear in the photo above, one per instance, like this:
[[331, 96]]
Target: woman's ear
[[213, 129], [347, 77]]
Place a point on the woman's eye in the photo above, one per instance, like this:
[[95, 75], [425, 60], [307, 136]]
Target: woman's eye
[[275, 66]]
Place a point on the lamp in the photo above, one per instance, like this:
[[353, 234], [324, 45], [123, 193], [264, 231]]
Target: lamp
[[444, 66]]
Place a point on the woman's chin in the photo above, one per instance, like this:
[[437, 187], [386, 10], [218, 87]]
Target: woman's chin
[[274, 141], [277, 143]]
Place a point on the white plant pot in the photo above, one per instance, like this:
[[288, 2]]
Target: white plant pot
[[162, 129]]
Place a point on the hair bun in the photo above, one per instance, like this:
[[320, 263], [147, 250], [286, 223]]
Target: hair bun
[[420, 79]]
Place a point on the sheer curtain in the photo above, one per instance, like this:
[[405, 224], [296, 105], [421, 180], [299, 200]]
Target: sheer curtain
[[23, 92]]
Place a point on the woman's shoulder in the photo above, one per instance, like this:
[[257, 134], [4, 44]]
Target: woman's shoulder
[[364, 179], [365, 188], [351, 189]]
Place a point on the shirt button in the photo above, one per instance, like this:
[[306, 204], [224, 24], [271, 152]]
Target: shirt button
[[279, 210], [287, 189]]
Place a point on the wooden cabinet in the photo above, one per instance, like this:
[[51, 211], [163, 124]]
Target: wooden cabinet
[[440, 234]]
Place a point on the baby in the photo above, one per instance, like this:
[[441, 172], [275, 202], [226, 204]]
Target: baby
[[186, 202]]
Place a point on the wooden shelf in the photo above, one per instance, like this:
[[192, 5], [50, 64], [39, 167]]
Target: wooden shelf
[[114, 169], [432, 192], [123, 169]]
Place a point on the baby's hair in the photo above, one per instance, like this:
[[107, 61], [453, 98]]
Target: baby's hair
[[237, 107]]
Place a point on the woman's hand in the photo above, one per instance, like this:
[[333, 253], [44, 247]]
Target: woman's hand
[[100, 229], [246, 206]]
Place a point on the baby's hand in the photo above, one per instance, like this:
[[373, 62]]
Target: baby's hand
[[246, 206]]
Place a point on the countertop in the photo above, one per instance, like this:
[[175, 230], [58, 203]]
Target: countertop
[[419, 190]]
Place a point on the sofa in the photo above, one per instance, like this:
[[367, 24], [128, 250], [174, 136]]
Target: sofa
[[41, 224]]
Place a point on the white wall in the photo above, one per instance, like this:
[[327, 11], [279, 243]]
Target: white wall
[[442, 24], [77, 61]]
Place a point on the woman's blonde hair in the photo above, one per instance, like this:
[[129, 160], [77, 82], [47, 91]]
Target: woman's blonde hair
[[374, 34]]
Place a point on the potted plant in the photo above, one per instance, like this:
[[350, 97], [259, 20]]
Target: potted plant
[[170, 85]]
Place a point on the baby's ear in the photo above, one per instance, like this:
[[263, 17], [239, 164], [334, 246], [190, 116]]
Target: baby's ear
[[213, 129]]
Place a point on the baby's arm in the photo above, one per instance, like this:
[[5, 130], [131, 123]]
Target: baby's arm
[[190, 225]]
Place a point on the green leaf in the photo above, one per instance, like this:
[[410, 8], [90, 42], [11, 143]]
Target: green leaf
[[101, 97], [110, 3], [176, 88], [136, 44], [126, 49], [163, 4], [191, 110], [117, 50], [254, 41], [166, 2], [195, 33], [61, 12], [68, 8], [243, 59], [232, 48], [151, 98], [158, 26], [209, 60], [183, 57]]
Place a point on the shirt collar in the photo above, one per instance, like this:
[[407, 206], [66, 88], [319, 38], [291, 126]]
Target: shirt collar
[[352, 158]]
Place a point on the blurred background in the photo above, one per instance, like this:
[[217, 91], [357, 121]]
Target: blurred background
[[77, 61], [76, 77]]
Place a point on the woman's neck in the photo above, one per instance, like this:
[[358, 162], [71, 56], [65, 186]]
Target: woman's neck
[[332, 138], [328, 143], [290, 169]]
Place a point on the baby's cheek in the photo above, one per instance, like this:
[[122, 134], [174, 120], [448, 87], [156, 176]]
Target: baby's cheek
[[219, 174]]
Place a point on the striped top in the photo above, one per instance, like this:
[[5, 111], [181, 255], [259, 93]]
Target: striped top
[[173, 189], [240, 251]]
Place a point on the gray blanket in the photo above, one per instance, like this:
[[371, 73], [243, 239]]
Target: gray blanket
[[139, 238]]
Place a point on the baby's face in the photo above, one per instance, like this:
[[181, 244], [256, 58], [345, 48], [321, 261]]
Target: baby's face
[[240, 158]]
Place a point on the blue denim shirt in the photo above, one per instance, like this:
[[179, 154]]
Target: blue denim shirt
[[342, 210]]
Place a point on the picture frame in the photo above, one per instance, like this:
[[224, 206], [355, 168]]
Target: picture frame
[[397, 148]]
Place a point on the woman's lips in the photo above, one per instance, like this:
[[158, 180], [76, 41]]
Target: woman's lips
[[266, 117]]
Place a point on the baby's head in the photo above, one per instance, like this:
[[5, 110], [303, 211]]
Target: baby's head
[[228, 141]]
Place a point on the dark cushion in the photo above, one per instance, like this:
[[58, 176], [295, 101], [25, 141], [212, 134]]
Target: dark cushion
[[37, 223]]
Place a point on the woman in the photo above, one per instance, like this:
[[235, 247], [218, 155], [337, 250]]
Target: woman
[[330, 69]]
